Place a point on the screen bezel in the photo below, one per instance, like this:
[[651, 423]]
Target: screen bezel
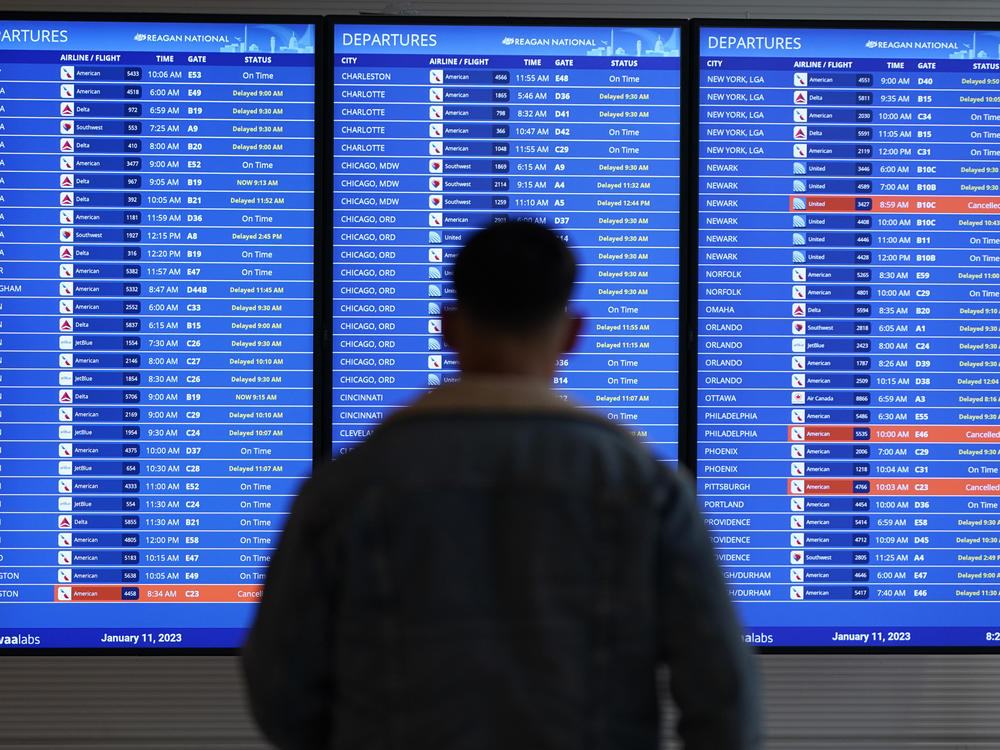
[[685, 365], [697, 25], [319, 180]]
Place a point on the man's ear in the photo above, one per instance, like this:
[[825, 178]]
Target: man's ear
[[574, 324]]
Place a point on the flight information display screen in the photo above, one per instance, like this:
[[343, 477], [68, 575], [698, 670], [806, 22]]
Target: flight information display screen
[[848, 425], [156, 329], [439, 130]]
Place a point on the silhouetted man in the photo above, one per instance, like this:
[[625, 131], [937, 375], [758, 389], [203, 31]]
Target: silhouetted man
[[494, 568]]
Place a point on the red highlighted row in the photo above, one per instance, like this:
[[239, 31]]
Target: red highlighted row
[[108, 593], [894, 434], [910, 204], [842, 486]]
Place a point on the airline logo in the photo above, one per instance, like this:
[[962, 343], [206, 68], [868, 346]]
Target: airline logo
[[435, 219], [64, 557], [66, 360], [66, 145], [798, 416], [800, 133], [66, 216], [796, 557], [65, 378], [65, 342], [66, 181], [798, 363], [798, 505], [433, 326], [66, 288], [66, 468], [436, 77], [798, 434], [435, 165], [797, 593], [798, 310], [67, 91], [66, 73], [65, 575], [65, 324], [798, 327], [798, 345], [800, 150], [800, 114], [65, 415], [797, 539], [66, 270], [798, 274], [65, 432], [434, 255], [797, 575], [65, 486], [798, 397], [800, 79], [434, 361], [434, 201], [65, 450], [435, 112], [66, 162], [66, 396], [66, 539], [436, 94], [435, 183], [800, 97], [64, 593], [65, 199], [67, 109], [435, 148], [798, 292], [66, 252], [65, 522], [66, 127], [435, 130], [798, 380]]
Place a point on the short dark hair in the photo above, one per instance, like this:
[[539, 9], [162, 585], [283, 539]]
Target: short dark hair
[[514, 276]]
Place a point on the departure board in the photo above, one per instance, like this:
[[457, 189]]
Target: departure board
[[441, 129], [156, 334], [848, 411]]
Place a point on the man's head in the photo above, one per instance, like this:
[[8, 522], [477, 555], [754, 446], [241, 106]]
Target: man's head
[[512, 285]]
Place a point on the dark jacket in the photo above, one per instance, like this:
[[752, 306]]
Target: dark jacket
[[496, 570]]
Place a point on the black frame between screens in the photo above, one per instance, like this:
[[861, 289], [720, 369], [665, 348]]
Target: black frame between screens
[[696, 25], [321, 377]]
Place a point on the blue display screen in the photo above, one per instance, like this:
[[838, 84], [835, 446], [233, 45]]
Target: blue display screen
[[156, 324], [439, 130], [848, 429]]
